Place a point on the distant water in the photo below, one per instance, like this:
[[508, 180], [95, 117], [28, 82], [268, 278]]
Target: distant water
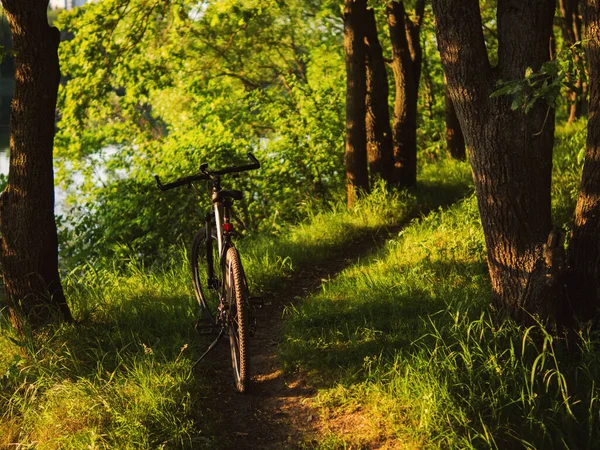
[[3, 160], [3, 150], [7, 87]]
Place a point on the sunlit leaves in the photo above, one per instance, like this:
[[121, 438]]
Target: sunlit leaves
[[546, 83], [173, 84]]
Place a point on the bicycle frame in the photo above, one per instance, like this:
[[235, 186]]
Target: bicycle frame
[[232, 315], [219, 212]]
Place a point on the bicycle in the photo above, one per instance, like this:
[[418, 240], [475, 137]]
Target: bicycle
[[221, 290]]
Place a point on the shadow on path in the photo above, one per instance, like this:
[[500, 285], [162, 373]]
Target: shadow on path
[[275, 413]]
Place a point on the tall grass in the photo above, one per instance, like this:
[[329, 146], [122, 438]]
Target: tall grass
[[120, 377], [406, 345]]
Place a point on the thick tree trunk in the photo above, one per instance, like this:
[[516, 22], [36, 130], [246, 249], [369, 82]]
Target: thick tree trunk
[[29, 246], [355, 157], [571, 31], [455, 141], [510, 151], [583, 255], [404, 131], [379, 133]]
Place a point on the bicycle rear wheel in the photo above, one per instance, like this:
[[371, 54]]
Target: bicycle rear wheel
[[236, 293], [206, 273]]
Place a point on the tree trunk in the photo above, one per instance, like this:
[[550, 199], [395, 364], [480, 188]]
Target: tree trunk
[[428, 85], [355, 157], [583, 257], [455, 141], [404, 36], [510, 151], [571, 31], [29, 246], [413, 37], [379, 133]]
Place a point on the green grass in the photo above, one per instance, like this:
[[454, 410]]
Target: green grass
[[406, 345], [403, 345], [120, 377], [408, 340]]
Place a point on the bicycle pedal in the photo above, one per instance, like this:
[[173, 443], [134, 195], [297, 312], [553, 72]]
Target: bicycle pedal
[[205, 326], [256, 302]]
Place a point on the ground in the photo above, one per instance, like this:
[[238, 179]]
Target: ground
[[277, 412]]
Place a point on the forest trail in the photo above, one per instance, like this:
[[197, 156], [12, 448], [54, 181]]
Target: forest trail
[[276, 412]]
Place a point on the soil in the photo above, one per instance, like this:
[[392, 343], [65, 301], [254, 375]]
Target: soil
[[276, 412]]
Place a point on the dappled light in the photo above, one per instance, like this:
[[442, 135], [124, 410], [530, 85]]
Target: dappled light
[[299, 224]]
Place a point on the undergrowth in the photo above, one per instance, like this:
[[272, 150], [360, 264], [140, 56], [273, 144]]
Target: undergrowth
[[120, 377], [406, 345]]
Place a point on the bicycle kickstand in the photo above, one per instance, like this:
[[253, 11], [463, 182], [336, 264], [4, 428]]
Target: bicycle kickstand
[[210, 347]]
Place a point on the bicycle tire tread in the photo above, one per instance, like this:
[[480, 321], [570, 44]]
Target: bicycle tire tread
[[233, 258]]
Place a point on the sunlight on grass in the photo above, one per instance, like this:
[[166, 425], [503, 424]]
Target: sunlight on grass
[[120, 377], [407, 338]]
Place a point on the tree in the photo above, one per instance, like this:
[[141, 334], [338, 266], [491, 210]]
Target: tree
[[29, 246], [355, 157], [583, 256], [406, 64], [510, 150], [379, 134]]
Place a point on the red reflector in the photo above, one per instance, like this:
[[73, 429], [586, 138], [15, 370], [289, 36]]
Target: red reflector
[[227, 227]]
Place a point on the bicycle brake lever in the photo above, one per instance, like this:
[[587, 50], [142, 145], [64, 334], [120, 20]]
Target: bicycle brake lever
[[158, 183]]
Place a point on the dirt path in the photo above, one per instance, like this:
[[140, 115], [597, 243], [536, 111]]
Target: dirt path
[[276, 412]]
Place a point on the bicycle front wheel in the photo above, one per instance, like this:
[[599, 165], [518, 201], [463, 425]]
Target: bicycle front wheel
[[236, 293]]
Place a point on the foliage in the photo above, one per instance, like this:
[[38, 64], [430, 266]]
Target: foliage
[[120, 377], [431, 104], [406, 344], [159, 87], [547, 82]]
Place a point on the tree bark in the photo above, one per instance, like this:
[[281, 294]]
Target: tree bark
[[379, 134], [583, 255], [570, 25], [29, 246], [510, 151], [406, 64], [355, 157], [455, 141]]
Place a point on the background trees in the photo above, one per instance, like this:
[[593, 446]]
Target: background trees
[[406, 63], [198, 85], [392, 151], [355, 157]]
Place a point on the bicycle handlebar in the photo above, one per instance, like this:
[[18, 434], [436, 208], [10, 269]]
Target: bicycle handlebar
[[208, 174]]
